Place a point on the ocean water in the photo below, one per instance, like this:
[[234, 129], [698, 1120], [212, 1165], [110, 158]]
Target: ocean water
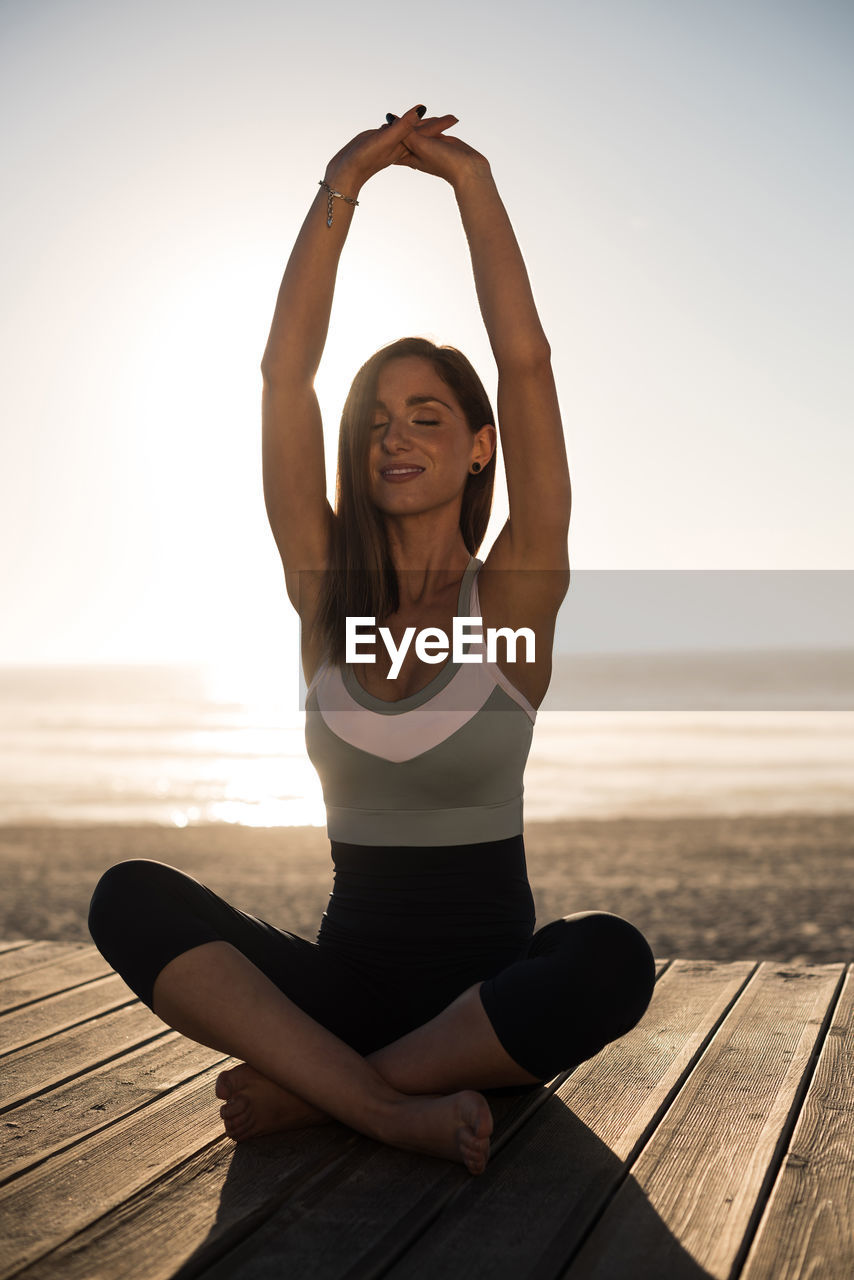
[[179, 745]]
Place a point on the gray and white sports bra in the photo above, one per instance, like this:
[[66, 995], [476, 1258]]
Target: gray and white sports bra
[[441, 767]]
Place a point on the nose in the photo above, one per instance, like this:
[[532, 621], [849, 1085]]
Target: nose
[[395, 435]]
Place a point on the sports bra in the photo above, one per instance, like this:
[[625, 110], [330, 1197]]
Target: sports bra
[[443, 766]]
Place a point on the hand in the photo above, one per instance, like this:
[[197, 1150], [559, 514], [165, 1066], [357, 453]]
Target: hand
[[374, 150], [429, 150]]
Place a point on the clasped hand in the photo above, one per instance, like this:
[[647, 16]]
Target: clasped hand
[[410, 141]]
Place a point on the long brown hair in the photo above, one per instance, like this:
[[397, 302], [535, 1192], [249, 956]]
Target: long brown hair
[[362, 581]]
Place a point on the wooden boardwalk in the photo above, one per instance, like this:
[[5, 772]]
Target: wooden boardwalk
[[717, 1139]]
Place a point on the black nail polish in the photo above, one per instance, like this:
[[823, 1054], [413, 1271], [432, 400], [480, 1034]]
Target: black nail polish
[[390, 119], [422, 111]]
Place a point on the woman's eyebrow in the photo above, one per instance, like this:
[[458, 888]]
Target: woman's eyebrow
[[413, 400]]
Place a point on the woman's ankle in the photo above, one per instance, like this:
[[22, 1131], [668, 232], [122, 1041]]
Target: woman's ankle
[[390, 1120]]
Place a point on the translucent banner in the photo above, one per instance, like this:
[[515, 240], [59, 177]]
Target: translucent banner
[[624, 640]]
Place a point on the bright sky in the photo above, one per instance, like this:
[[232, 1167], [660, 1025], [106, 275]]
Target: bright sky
[[679, 176]]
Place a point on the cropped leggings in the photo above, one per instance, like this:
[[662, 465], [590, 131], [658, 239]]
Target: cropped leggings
[[405, 932]]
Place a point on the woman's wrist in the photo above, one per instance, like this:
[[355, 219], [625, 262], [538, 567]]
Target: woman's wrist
[[344, 178], [474, 177]]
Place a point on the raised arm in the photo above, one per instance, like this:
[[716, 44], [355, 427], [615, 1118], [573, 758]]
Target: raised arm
[[529, 423], [293, 461]]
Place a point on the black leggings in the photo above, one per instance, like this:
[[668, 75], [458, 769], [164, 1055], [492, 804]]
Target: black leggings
[[405, 932]]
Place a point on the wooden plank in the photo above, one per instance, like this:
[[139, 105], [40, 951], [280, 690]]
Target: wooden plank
[[47, 1205], [20, 959], [57, 1013], [808, 1225], [692, 1193], [198, 1212], [75, 1110], [534, 1205], [15, 944], [49, 1062], [82, 966]]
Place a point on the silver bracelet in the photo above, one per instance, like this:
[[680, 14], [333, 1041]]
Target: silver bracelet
[[333, 195]]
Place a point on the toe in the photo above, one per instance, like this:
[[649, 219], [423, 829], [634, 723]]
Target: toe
[[235, 1105], [233, 1125], [474, 1150], [239, 1129], [484, 1126], [222, 1089]]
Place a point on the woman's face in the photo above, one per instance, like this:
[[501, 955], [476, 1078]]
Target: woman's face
[[421, 446]]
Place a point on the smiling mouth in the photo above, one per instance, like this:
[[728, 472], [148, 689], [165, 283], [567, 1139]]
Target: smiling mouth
[[400, 473]]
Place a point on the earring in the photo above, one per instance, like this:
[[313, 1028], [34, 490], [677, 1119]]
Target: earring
[[475, 467]]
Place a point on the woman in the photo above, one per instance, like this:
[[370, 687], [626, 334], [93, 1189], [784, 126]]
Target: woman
[[427, 982]]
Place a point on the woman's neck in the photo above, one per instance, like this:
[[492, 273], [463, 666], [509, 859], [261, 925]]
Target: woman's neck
[[426, 559]]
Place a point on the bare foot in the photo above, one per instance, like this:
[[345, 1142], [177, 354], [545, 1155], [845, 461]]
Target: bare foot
[[255, 1105], [456, 1127]]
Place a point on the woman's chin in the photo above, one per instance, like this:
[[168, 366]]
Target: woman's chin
[[397, 504], [406, 501]]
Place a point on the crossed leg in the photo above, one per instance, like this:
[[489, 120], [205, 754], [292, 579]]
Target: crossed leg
[[296, 1072], [452, 1052], [586, 980]]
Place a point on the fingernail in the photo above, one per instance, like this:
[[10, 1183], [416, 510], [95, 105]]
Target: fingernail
[[390, 119], [422, 111]]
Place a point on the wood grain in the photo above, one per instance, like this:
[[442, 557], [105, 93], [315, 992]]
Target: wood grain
[[691, 1194], [57, 1013], [22, 959], [45, 1206], [81, 966], [90, 1102], [807, 1229], [195, 1214], [48, 1062]]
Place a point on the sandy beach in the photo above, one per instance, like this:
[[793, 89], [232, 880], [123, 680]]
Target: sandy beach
[[773, 887]]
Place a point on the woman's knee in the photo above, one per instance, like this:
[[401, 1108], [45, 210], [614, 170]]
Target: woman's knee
[[613, 958], [125, 890], [144, 913], [118, 890]]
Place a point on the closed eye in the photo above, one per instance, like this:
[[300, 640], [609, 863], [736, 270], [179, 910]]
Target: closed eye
[[418, 422]]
